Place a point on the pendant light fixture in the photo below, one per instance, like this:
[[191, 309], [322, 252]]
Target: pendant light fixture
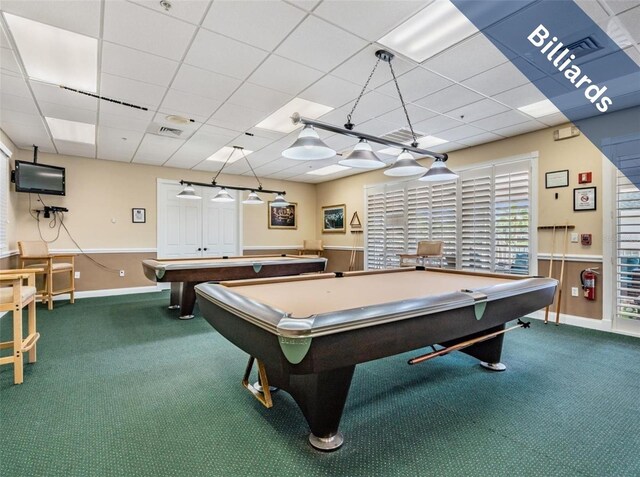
[[308, 147], [223, 194], [439, 172]]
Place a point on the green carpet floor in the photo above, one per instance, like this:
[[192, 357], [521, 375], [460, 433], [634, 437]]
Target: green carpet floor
[[123, 388]]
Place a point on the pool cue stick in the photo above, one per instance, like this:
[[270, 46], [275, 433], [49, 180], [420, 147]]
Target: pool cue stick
[[553, 247], [564, 254]]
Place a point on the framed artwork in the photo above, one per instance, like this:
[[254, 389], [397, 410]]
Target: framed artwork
[[556, 179], [584, 198], [333, 219], [283, 217], [138, 216]]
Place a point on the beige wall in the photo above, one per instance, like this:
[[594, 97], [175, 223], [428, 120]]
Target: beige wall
[[13, 200], [576, 154], [101, 191]]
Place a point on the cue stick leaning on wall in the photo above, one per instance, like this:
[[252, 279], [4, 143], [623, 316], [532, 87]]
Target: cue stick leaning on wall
[[561, 285], [553, 248]]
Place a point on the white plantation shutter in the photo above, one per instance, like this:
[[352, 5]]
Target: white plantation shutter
[[628, 249], [484, 219], [476, 218]]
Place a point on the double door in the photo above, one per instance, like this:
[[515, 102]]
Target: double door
[[196, 228]]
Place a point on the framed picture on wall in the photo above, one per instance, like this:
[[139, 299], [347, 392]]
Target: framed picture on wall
[[283, 217], [333, 219], [584, 198], [556, 179], [138, 216]]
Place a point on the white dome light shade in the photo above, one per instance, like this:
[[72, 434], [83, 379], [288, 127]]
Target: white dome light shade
[[362, 157], [188, 193], [308, 147], [405, 165], [223, 196], [279, 201], [439, 173], [253, 198]]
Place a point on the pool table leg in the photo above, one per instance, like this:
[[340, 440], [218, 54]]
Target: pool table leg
[[321, 398], [490, 351], [174, 301], [188, 300]]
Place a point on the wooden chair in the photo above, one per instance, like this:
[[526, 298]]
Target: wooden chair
[[36, 255], [14, 296], [313, 247], [427, 249]]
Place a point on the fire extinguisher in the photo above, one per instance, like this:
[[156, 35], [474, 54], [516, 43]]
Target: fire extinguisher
[[588, 280]]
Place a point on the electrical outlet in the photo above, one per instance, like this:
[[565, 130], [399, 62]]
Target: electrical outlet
[[77, 275], [574, 291], [574, 237], [122, 273]]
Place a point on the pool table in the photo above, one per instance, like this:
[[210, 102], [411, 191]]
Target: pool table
[[185, 273], [309, 332]]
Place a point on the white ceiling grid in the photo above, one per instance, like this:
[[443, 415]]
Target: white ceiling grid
[[229, 64]]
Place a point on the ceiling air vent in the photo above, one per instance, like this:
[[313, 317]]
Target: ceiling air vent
[[584, 47], [401, 135], [160, 130]]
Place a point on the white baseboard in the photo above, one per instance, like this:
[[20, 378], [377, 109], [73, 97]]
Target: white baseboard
[[111, 292], [573, 320]]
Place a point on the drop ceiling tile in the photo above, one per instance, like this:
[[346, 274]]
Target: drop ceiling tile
[[329, 45], [631, 21], [190, 11], [131, 25], [240, 118], [29, 122], [307, 5], [466, 59], [553, 119], [215, 131], [284, 75], [634, 54], [448, 147], [21, 104], [371, 106], [436, 124], [137, 65], [76, 149], [200, 146], [245, 21], [4, 40], [496, 80], [338, 142], [371, 23], [331, 91], [480, 139], [357, 68], [220, 54], [251, 143], [481, 109], [520, 129], [59, 111], [502, 120], [459, 133], [117, 144], [449, 98], [156, 149], [117, 116], [520, 96], [376, 127], [618, 6], [398, 118], [189, 105], [8, 61], [85, 18], [24, 136], [415, 84], [14, 84], [54, 94], [204, 83], [131, 91], [593, 9], [275, 135]]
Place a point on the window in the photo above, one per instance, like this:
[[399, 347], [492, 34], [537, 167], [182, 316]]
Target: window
[[484, 219], [4, 199]]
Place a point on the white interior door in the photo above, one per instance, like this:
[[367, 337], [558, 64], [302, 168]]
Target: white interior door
[[196, 228]]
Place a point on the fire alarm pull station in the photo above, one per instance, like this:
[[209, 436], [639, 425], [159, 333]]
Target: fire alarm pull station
[[585, 239], [584, 178]]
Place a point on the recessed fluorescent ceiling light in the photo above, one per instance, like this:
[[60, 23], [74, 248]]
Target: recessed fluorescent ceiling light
[[281, 120], [54, 55], [222, 154], [423, 142], [539, 109], [432, 30], [73, 131], [325, 171]]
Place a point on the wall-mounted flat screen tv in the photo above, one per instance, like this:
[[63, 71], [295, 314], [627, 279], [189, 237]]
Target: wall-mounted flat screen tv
[[39, 178]]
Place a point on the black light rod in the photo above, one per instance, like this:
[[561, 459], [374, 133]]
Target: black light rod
[[220, 186], [296, 118]]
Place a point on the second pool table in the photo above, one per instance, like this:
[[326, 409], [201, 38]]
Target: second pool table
[[310, 332]]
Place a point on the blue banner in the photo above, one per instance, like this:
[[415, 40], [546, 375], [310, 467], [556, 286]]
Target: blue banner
[[573, 62]]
